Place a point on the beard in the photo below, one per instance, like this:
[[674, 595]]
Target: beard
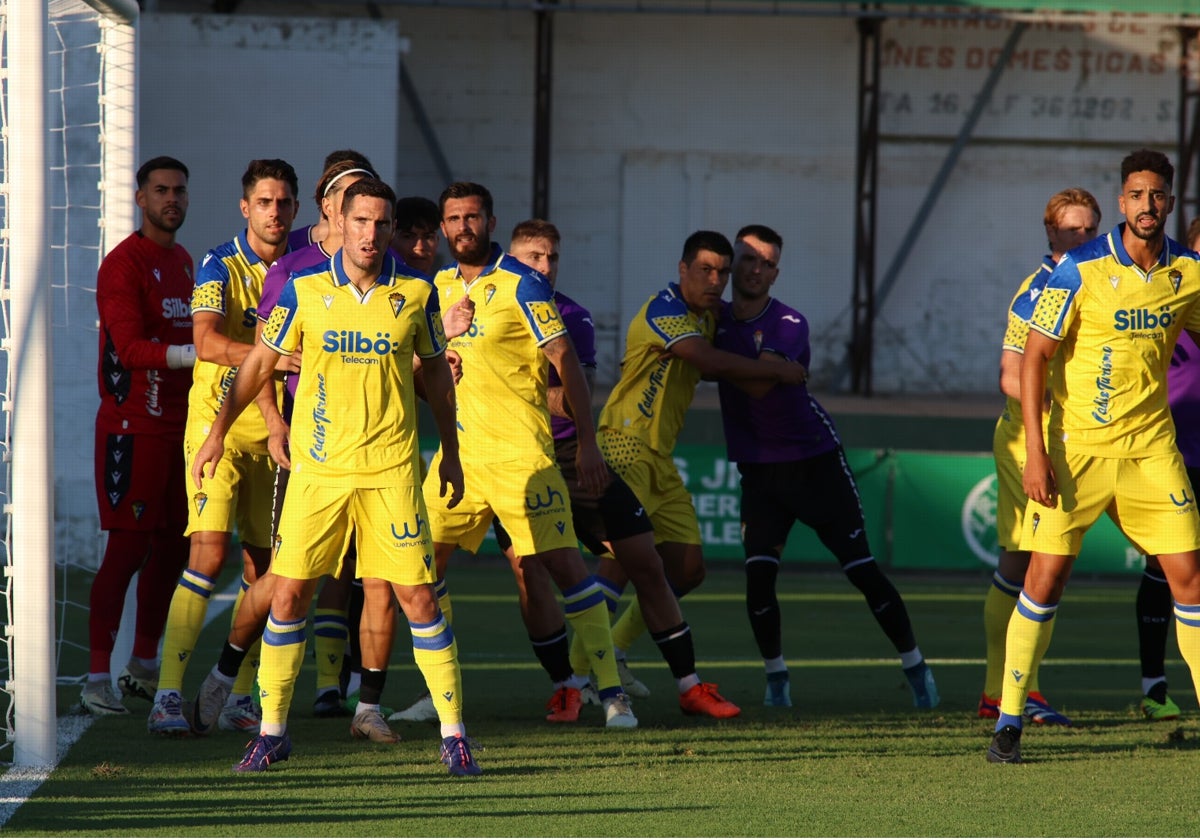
[[169, 225], [1153, 233], [470, 253]]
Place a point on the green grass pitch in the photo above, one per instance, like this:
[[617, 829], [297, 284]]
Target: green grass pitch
[[852, 758]]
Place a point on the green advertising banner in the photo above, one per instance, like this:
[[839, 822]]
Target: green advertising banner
[[923, 511]]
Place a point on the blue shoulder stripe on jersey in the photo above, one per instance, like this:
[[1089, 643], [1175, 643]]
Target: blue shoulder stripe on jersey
[[1024, 305], [666, 303], [533, 287]]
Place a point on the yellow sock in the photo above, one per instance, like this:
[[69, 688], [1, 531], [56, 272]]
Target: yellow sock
[[436, 655], [248, 670], [1187, 634], [244, 684], [443, 595], [585, 609], [581, 665], [282, 656], [185, 620], [997, 607], [330, 631], [629, 626], [1029, 631]]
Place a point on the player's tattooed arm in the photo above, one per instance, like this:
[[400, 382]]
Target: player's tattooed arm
[[556, 399]]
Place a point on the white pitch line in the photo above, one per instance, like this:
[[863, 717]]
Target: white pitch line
[[20, 783]]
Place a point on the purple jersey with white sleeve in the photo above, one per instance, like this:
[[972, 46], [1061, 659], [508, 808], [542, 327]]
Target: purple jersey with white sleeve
[[273, 283], [1183, 395], [583, 335], [786, 424]]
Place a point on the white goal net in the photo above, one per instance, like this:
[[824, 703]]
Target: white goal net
[[86, 128]]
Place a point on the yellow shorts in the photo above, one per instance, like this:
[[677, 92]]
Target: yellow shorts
[[531, 500], [655, 480], [239, 495], [1008, 448], [1150, 499], [318, 522]]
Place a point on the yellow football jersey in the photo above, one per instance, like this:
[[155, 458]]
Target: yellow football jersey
[[1118, 326], [229, 282], [654, 392], [1020, 311], [502, 413], [355, 418]]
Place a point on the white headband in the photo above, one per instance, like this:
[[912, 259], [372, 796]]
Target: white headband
[[334, 180]]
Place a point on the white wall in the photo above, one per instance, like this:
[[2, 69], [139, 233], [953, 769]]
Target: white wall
[[663, 124], [217, 92]]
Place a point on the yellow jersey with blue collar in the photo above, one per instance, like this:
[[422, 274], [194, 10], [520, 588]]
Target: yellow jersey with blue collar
[[502, 413], [653, 394], [354, 424], [1020, 312], [1117, 326], [229, 282]]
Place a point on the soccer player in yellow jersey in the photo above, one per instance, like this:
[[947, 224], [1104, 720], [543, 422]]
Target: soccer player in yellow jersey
[[504, 426], [1071, 218], [613, 525], [667, 349], [1105, 326], [355, 461], [224, 314]]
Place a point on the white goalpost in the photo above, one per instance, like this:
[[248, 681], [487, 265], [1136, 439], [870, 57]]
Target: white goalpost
[[68, 148]]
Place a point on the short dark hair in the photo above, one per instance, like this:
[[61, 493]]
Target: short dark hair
[[1147, 160], [762, 232], [417, 211], [275, 168], [706, 240], [466, 189], [1193, 231], [370, 187], [160, 162], [342, 155], [535, 229]]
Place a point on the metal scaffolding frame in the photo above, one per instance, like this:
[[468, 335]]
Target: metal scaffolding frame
[[868, 291]]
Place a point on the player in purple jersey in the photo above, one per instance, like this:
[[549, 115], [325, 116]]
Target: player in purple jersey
[[793, 469], [612, 524], [302, 237]]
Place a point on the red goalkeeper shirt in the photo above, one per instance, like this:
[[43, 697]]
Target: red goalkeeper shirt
[[143, 294]]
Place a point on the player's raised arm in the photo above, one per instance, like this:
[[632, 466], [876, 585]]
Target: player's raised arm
[[254, 372]]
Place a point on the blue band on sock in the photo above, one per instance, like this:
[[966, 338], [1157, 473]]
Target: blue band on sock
[[281, 633], [1008, 720], [1011, 588], [193, 581], [1034, 611], [1188, 614], [582, 596]]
